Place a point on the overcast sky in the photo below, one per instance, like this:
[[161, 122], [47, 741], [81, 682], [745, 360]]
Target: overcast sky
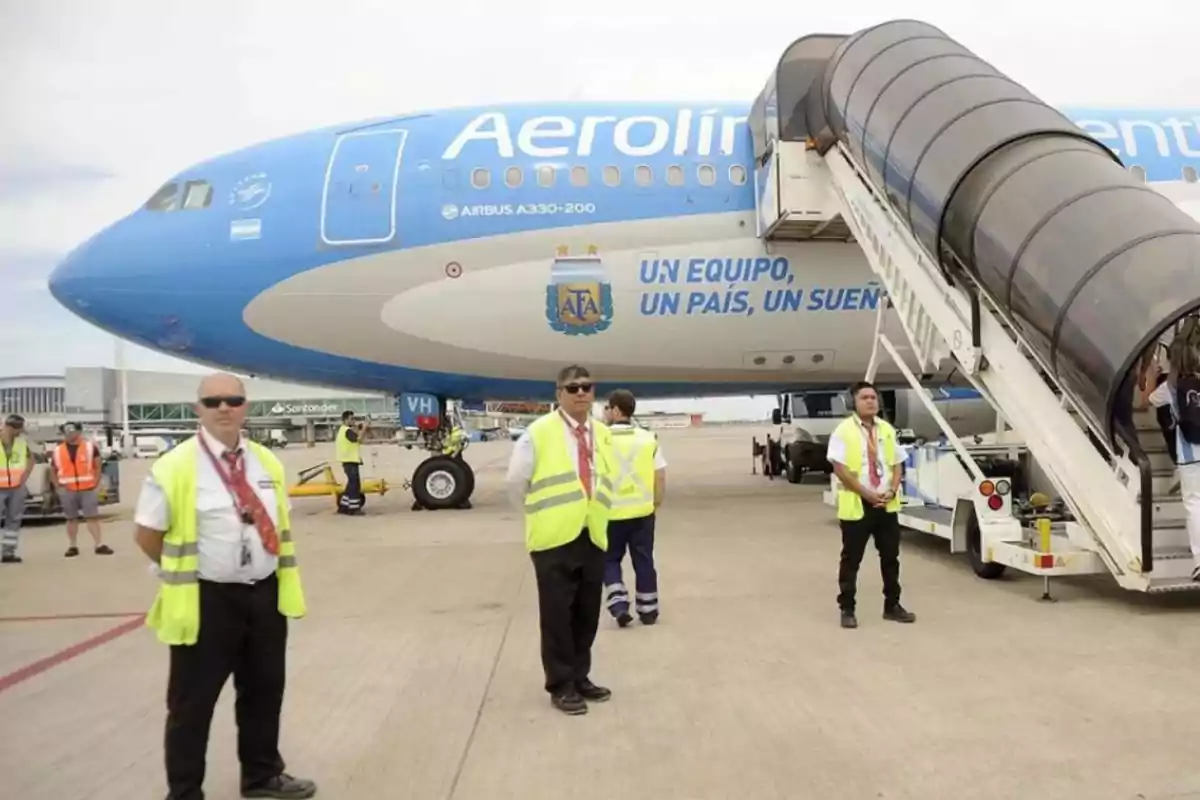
[[104, 99]]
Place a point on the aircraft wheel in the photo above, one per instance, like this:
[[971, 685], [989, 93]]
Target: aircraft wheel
[[470, 475], [795, 472], [442, 482]]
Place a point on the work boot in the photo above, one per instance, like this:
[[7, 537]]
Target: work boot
[[849, 620], [283, 786], [569, 702], [593, 693], [897, 613]]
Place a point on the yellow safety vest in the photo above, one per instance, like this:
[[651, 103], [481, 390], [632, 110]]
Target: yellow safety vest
[[176, 610], [633, 451], [347, 451], [850, 505], [556, 505], [14, 465]]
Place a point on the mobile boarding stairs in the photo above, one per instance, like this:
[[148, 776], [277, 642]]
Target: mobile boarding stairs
[[1011, 242]]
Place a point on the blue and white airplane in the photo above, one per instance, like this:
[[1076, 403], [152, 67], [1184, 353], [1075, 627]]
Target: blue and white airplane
[[424, 253], [471, 253]]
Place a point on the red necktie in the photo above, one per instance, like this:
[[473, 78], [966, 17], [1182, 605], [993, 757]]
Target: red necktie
[[248, 500], [873, 455], [585, 458]]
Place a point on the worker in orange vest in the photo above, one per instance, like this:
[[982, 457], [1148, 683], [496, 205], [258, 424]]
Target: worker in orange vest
[[76, 465]]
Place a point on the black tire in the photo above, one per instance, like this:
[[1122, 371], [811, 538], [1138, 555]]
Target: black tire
[[470, 475], [442, 482], [988, 570], [795, 472]]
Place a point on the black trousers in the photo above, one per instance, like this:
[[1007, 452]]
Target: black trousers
[[241, 633], [569, 581], [352, 497], [885, 527]]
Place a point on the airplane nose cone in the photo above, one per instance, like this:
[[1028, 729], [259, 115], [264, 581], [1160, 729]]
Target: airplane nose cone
[[112, 282]]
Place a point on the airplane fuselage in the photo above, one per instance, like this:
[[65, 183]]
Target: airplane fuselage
[[474, 252]]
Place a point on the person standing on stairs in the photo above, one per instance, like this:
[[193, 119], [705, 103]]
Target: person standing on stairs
[[1181, 393]]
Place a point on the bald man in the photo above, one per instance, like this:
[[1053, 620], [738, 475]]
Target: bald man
[[213, 516]]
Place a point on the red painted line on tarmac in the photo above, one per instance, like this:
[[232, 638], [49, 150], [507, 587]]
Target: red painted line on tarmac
[[53, 617], [61, 657]]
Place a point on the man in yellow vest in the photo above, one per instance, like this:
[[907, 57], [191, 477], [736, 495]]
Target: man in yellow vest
[[349, 455], [214, 517], [640, 483], [15, 466], [561, 474], [866, 460]]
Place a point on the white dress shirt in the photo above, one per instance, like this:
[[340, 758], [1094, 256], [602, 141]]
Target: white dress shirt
[[220, 533], [837, 452], [521, 463]]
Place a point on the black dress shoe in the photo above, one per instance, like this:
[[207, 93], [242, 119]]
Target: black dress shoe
[[569, 702], [849, 620], [897, 613], [592, 692], [284, 786], [624, 618]]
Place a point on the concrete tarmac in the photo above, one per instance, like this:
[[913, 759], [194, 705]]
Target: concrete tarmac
[[416, 673]]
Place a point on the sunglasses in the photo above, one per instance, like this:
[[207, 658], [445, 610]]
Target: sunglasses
[[576, 388], [215, 402]]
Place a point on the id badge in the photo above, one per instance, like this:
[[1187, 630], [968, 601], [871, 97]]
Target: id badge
[[245, 557]]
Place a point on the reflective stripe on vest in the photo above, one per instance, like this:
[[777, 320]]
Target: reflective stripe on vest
[[14, 465], [556, 507], [347, 451], [850, 505], [79, 475], [633, 454], [175, 614]]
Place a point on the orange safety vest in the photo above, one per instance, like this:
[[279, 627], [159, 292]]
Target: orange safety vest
[[80, 475]]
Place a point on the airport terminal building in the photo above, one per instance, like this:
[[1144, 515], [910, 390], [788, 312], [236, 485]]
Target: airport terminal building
[[92, 396]]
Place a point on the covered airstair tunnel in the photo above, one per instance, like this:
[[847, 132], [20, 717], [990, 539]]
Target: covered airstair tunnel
[[1007, 238]]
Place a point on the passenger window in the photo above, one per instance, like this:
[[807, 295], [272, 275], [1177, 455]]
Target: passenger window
[[513, 177], [1189, 174], [579, 176], [1138, 172], [707, 175], [545, 177], [197, 194], [481, 178], [612, 176], [737, 174], [643, 175], [675, 175], [165, 199]]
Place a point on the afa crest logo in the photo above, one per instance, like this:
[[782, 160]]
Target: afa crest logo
[[579, 296]]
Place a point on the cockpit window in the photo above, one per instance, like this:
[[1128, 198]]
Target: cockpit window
[[165, 199], [197, 194]]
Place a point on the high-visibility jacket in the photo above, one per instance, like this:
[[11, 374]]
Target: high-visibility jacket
[[13, 466], [80, 474], [455, 442], [347, 451], [633, 453], [556, 505], [850, 505], [175, 614]]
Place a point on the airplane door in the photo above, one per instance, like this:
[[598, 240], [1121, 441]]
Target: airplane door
[[361, 181]]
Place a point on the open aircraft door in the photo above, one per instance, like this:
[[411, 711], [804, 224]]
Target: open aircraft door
[[361, 182]]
